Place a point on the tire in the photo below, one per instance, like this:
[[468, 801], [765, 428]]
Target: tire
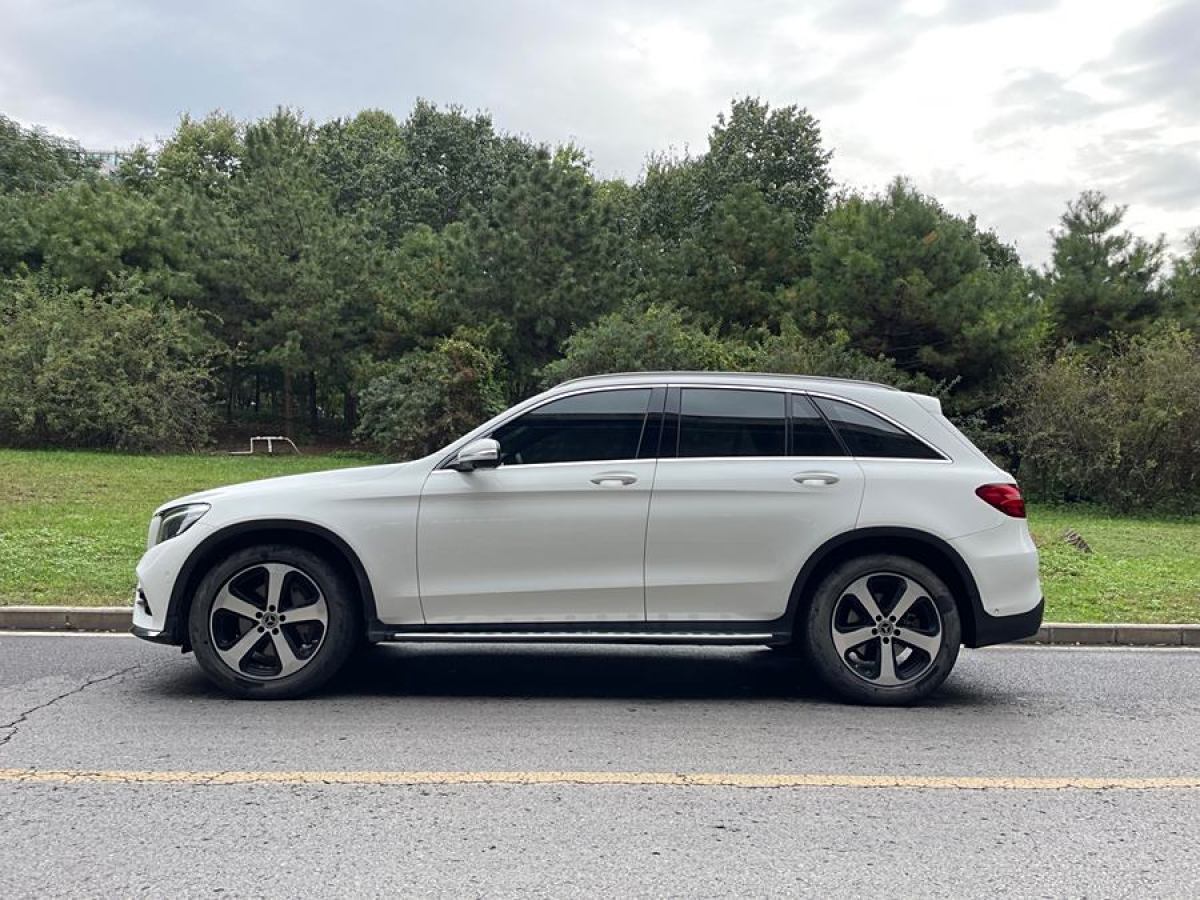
[[849, 652], [231, 605]]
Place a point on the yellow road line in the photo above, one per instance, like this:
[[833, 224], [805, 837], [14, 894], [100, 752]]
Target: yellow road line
[[673, 779]]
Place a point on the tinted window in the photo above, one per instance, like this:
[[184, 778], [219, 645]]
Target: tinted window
[[811, 434], [866, 434], [597, 426], [731, 423]]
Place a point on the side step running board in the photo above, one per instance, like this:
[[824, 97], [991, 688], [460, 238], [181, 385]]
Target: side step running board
[[581, 637]]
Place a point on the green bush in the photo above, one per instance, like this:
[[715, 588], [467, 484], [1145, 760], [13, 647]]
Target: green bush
[[1121, 428], [121, 370], [663, 338], [655, 338], [792, 352], [430, 397]]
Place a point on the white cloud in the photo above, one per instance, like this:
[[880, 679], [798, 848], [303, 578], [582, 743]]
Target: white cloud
[[1005, 108]]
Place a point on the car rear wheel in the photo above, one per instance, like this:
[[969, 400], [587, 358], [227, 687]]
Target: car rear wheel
[[882, 629], [272, 621]]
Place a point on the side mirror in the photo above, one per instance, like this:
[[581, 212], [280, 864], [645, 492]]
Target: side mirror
[[481, 454]]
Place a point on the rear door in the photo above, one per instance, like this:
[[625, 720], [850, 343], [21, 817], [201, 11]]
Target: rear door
[[749, 483]]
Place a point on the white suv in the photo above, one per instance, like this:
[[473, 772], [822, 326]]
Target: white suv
[[848, 522]]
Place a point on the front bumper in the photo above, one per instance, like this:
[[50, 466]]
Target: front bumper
[[157, 573], [154, 637]]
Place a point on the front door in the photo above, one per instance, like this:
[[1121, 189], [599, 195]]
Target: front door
[[556, 533]]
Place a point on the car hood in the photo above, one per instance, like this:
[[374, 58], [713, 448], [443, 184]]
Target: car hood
[[291, 484]]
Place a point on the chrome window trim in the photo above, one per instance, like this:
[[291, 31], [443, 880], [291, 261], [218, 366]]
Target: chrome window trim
[[576, 462], [712, 459]]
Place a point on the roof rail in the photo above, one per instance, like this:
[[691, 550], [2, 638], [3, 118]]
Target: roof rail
[[832, 379]]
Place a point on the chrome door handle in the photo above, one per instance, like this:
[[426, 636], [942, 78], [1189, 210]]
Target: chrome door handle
[[614, 479], [814, 479]]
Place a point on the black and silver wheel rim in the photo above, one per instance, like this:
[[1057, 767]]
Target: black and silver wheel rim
[[268, 621], [887, 629]]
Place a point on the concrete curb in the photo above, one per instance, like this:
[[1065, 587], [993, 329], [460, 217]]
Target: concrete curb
[[1117, 635], [118, 618], [65, 618]]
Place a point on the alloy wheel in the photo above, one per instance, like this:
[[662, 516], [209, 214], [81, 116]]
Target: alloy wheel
[[886, 629], [268, 621]]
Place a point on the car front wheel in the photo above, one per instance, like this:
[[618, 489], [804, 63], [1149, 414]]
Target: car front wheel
[[272, 621], [882, 629]]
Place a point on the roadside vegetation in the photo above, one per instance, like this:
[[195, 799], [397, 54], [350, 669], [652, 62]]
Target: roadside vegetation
[[383, 280], [73, 524], [1140, 568]]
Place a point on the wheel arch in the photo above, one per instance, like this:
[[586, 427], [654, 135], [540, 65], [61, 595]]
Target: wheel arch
[[307, 535], [926, 548]]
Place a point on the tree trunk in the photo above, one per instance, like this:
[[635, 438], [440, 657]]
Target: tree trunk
[[350, 412], [312, 402], [232, 388], [287, 402]]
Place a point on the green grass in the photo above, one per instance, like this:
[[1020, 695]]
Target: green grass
[[72, 526], [1141, 569]]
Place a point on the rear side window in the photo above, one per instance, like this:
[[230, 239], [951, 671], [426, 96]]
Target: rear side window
[[811, 434], [869, 435], [602, 425], [732, 423]]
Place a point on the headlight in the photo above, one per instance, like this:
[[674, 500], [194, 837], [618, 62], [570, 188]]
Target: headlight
[[174, 522]]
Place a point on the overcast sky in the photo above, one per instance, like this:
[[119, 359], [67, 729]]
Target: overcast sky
[[1004, 108]]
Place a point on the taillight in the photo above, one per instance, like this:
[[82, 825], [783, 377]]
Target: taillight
[[1005, 497]]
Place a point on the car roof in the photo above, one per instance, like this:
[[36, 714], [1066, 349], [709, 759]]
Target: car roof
[[750, 379]]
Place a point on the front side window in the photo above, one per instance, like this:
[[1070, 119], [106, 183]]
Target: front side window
[[720, 422], [869, 435], [602, 425]]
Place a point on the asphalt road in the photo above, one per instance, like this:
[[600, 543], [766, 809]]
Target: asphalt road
[[245, 811]]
